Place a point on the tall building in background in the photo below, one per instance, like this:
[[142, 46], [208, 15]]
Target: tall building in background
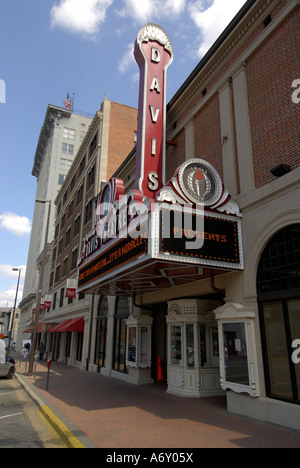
[[108, 139], [60, 138]]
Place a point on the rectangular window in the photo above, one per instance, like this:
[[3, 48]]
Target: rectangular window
[[91, 177], [74, 259], [65, 266], [280, 327], [61, 179], [100, 348], [54, 301], [69, 134], [176, 345], [190, 352], [65, 164], [79, 195], [120, 345], [68, 237], [61, 298], [294, 319], [88, 212], [57, 274], [67, 149], [235, 353], [77, 226]]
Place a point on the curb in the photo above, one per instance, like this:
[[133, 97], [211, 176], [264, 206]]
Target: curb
[[64, 433]]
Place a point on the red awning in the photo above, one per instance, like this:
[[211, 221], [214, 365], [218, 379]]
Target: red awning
[[71, 325], [75, 325], [60, 325]]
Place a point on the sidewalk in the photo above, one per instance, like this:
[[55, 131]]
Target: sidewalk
[[107, 413]]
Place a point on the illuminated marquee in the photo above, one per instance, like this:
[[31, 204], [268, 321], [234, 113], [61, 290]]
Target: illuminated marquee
[[190, 220]]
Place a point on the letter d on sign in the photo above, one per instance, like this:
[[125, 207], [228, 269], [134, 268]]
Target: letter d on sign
[[296, 354]]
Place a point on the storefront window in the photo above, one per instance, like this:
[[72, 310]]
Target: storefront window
[[278, 285], [294, 318], [235, 353], [278, 352], [176, 345], [122, 313]]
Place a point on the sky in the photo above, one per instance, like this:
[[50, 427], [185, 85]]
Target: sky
[[51, 47]]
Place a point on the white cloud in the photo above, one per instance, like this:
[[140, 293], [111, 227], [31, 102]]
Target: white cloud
[[19, 225], [7, 298], [80, 16], [6, 271], [148, 10], [127, 60], [212, 20], [8, 294]]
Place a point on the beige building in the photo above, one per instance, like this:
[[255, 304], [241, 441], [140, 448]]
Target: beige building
[[60, 137], [110, 137]]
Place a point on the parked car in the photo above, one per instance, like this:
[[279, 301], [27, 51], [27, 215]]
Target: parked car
[[7, 370]]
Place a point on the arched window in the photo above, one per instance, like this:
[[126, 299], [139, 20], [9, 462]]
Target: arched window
[[122, 312], [278, 287], [101, 334]]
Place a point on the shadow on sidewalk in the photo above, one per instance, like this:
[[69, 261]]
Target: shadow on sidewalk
[[117, 408]]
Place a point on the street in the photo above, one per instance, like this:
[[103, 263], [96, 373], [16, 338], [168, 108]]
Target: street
[[21, 423]]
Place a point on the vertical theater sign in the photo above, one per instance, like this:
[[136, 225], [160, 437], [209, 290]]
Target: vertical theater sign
[[159, 235]]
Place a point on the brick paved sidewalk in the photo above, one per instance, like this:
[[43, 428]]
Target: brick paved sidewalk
[[114, 414]]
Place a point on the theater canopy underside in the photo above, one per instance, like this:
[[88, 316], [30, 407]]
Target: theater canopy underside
[[150, 276]]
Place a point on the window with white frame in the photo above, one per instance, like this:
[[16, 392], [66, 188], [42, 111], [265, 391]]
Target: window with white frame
[[69, 134]]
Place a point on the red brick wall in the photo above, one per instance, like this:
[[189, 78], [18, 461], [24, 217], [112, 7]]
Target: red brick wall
[[123, 124], [208, 139], [274, 118], [175, 155]]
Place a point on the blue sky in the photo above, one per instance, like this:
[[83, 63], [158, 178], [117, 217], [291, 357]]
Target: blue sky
[[50, 47]]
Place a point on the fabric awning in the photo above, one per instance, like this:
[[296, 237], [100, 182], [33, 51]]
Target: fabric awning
[[75, 326], [60, 325], [70, 325]]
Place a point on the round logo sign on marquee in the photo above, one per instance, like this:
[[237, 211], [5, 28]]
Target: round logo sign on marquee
[[200, 182]]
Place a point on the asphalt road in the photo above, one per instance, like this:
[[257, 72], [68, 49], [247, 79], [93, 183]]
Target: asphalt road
[[21, 423]]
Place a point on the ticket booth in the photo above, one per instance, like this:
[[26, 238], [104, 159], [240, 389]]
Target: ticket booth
[[193, 348]]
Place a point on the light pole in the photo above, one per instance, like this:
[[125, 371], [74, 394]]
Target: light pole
[[39, 295], [14, 312]]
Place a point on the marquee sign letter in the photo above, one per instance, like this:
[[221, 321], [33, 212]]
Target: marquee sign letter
[[153, 53]]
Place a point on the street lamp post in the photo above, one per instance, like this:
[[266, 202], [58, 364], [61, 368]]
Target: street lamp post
[[14, 312], [39, 295]]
